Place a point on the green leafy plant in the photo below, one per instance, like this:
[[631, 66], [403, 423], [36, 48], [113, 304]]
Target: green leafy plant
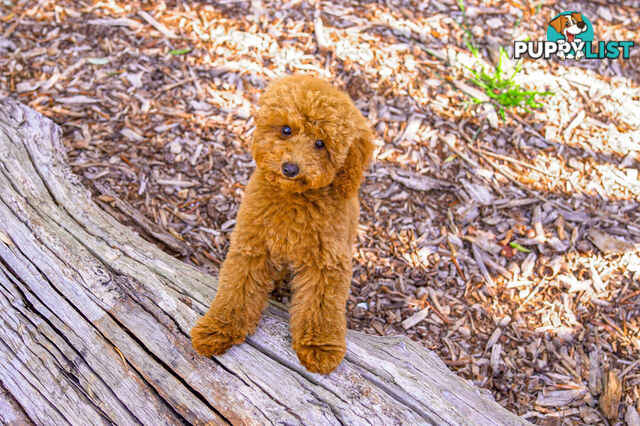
[[498, 83], [501, 87]]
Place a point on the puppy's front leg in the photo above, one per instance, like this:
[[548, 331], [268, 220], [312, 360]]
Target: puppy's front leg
[[244, 285], [318, 323]]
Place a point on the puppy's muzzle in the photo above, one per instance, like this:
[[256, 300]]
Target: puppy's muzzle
[[290, 170]]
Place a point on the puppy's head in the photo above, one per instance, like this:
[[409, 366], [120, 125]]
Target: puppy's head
[[310, 135]]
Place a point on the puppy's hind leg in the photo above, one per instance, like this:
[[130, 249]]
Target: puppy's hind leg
[[318, 322], [244, 285]]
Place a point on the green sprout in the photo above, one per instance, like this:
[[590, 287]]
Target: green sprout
[[497, 83], [501, 87], [177, 52]]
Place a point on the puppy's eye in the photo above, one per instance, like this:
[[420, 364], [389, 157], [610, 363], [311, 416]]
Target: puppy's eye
[[319, 144], [286, 130]]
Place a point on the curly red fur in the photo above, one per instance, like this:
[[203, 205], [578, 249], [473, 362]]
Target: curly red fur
[[304, 224]]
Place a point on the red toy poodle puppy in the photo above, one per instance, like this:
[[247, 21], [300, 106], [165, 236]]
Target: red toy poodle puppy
[[299, 215]]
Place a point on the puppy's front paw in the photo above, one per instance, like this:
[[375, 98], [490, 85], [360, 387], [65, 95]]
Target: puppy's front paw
[[210, 339], [321, 359]]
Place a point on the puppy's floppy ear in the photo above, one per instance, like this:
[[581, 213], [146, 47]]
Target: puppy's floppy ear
[[349, 177], [558, 23], [577, 16]]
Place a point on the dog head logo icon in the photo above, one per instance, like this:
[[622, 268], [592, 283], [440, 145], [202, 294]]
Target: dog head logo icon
[[569, 25], [571, 28]]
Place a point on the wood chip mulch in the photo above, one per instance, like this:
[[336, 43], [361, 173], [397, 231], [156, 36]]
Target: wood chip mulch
[[510, 248]]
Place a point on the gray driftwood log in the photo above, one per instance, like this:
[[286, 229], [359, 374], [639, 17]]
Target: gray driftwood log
[[94, 326]]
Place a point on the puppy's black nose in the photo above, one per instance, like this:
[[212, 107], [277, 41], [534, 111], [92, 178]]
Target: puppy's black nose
[[290, 170], [581, 25]]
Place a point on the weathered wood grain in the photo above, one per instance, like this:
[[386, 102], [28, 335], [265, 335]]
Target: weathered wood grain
[[94, 326]]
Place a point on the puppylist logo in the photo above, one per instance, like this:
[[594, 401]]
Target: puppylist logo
[[570, 36]]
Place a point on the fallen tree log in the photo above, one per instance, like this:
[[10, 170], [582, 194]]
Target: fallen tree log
[[95, 326]]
